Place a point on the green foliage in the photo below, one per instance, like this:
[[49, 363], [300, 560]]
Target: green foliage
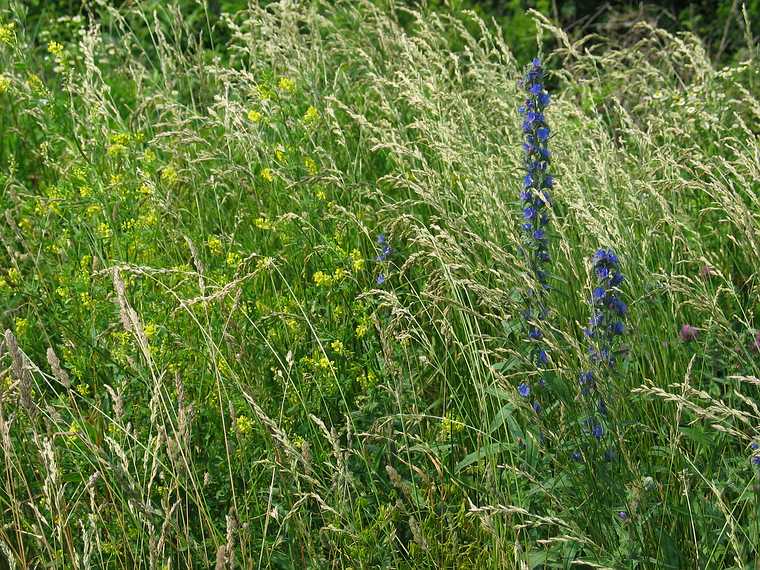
[[202, 367]]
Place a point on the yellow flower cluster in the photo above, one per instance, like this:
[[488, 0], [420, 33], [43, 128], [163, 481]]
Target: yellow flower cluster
[[244, 425], [323, 279], [286, 84], [267, 175], [214, 245], [5, 83], [55, 49], [254, 116], [169, 175], [311, 115], [8, 33]]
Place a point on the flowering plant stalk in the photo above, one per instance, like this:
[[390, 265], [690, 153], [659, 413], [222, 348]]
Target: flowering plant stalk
[[606, 326], [536, 201]]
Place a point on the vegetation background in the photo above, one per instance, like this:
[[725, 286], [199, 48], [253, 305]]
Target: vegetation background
[[263, 289]]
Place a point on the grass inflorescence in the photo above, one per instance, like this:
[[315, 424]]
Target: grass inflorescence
[[319, 296]]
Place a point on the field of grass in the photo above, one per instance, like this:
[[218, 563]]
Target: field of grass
[[268, 300]]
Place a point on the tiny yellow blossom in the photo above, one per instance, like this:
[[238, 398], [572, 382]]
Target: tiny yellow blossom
[[357, 261], [254, 116], [262, 223], [86, 300], [115, 150], [322, 279], [35, 83], [14, 276], [22, 326], [145, 189], [325, 363], [150, 330], [93, 209], [286, 84], [83, 390], [148, 156], [320, 194], [103, 231], [244, 425], [8, 33], [279, 153], [361, 330], [5, 83], [169, 175], [85, 191], [311, 166], [339, 274], [311, 115], [267, 175], [265, 263], [214, 245], [337, 346], [55, 49], [233, 259]]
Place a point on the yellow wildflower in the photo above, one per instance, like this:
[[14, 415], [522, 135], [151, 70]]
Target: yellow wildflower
[[115, 150], [311, 115], [244, 425], [320, 194], [93, 209], [35, 83], [311, 166], [262, 223], [169, 175], [22, 326], [267, 175], [103, 231], [145, 189], [357, 261], [83, 390], [5, 83], [322, 279], [233, 259], [337, 346], [254, 116], [55, 49], [279, 153], [150, 330], [214, 245], [8, 33], [286, 84], [14, 275]]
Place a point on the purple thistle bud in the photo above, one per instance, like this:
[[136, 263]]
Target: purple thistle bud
[[688, 333]]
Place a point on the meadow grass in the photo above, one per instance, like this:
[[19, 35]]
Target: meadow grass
[[263, 299]]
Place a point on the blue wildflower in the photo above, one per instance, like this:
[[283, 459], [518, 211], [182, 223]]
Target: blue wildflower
[[537, 407], [576, 455], [756, 460], [597, 431], [524, 390], [380, 279]]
